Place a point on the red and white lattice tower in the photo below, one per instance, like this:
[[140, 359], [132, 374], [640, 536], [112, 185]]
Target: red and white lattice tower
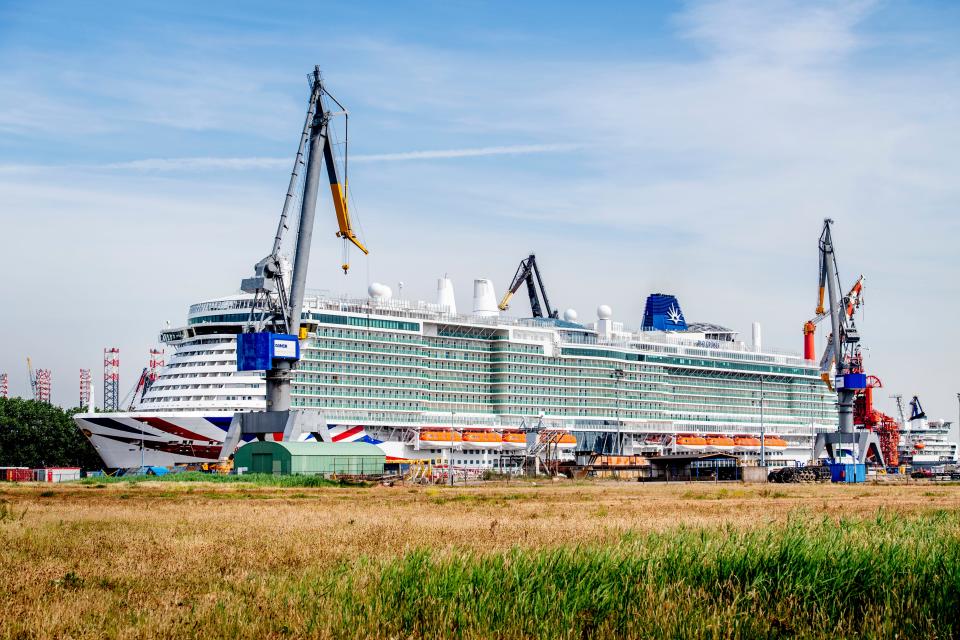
[[156, 363], [111, 379], [43, 385], [4, 386], [84, 388]]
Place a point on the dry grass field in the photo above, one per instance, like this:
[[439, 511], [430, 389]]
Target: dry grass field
[[550, 559]]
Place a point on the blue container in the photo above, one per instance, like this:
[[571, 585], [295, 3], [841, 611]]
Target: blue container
[[257, 351], [847, 472], [855, 381]]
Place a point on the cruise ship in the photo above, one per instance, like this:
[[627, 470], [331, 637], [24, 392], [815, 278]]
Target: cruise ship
[[421, 380], [925, 442]]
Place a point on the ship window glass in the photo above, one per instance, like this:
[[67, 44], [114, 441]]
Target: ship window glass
[[374, 323]]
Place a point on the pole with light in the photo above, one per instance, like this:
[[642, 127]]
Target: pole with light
[[618, 375]]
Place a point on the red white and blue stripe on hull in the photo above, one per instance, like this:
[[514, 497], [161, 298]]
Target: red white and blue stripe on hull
[[126, 440]]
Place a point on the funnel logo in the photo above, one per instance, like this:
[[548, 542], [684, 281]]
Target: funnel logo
[[662, 313], [674, 315]]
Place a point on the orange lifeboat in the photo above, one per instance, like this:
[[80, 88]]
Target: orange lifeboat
[[560, 439], [514, 439], [920, 446], [440, 438], [773, 442], [747, 443], [720, 443], [691, 442], [481, 439]]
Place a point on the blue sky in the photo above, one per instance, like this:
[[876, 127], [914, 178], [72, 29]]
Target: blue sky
[[685, 147]]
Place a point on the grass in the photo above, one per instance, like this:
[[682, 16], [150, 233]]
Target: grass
[[258, 479], [602, 560]]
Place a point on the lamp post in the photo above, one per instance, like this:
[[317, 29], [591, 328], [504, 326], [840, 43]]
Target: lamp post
[[763, 444], [618, 375], [450, 454]]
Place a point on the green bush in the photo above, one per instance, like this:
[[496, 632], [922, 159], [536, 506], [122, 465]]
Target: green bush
[[35, 434]]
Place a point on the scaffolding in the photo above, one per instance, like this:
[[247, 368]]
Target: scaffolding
[[111, 379]]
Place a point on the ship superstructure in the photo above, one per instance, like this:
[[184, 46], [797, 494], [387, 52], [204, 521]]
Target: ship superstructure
[[924, 442], [422, 381]]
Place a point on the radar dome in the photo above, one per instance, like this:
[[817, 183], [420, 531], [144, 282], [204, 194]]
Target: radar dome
[[379, 291], [604, 312], [570, 315]]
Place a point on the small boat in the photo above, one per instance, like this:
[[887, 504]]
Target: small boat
[[691, 443], [920, 446], [747, 443], [720, 443], [440, 438], [773, 442], [514, 439], [481, 439]]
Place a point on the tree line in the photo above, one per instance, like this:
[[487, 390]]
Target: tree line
[[36, 434]]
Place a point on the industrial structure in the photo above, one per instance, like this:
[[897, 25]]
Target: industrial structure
[[111, 379], [311, 458], [843, 355], [156, 363], [271, 341], [40, 382], [526, 273], [85, 382]]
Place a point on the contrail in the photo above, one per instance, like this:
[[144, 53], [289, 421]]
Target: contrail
[[464, 153], [240, 164]]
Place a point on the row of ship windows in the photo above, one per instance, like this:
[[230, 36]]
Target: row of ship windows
[[792, 408], [624, 400], [648, 382], [354, 340], [204, 398], [521, 365], [746, 420], [171, 387], [555, 385], [220, 374], [202, 352]]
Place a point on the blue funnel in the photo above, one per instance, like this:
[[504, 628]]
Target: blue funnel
[[663, 313]]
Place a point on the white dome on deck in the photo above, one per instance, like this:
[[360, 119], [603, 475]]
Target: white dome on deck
[[379, 291]]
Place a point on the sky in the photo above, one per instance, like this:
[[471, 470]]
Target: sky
[[692, 148]]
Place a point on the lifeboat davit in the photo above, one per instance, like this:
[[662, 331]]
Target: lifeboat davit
[[559, 439], [747, 443], [514, 439], [440, 438], [720, 443], [690, 443], [481, 439], [773, 442]]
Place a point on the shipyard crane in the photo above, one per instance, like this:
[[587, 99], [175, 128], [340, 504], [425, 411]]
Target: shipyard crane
[[269, 284], [33, 378], [139, 391], [526, 272], [849, 378], [916, 411], [850, 303], [273, 342]]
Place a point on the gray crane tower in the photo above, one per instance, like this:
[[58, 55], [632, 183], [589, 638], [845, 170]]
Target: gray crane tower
[[849, 378], [272, 343]]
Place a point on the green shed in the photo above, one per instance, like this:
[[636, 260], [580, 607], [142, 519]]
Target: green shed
[[310, 458]]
